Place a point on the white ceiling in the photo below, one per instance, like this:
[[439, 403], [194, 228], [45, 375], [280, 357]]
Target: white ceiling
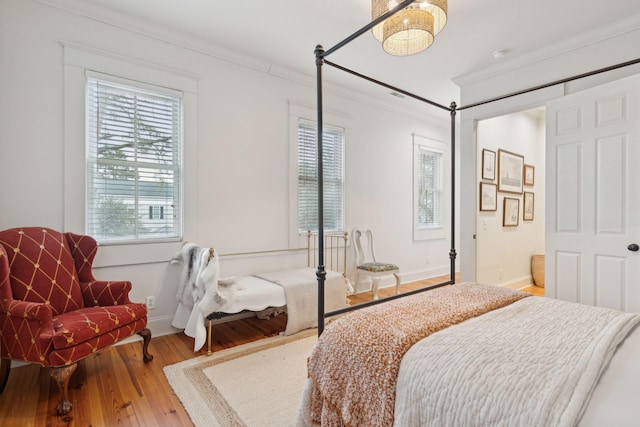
[[284, 33]]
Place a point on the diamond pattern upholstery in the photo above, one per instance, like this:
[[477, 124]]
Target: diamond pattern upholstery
[[52, 309], [42, 269]]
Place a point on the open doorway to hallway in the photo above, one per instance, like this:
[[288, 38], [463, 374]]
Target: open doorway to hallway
[[510, 222]]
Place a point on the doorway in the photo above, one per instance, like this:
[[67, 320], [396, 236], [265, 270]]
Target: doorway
[[510, 219]]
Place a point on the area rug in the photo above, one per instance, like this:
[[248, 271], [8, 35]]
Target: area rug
[[255, 384]]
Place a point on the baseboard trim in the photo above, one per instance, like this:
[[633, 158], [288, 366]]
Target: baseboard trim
[[405, 277]]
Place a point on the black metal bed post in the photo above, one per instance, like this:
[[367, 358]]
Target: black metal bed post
[[452, 252], [321, 274]]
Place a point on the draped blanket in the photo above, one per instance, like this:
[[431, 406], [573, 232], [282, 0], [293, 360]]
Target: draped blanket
[[199, 292], [532, 363], [354, 366], [301, 293]]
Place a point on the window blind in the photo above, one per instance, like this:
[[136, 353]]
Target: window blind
[[134, 145], [333, 174], [429, 188]]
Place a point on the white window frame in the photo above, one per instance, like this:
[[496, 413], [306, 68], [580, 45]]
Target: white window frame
[[298, 112], [440, 231], [78, 61], [174, 169]]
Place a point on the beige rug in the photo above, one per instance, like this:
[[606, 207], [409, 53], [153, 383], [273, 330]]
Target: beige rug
[[255, 384]]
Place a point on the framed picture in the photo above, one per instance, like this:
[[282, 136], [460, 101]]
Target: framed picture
[[528, 174], [527, 207], [488, 164], [510, 172], [511, 212], [488, 197]]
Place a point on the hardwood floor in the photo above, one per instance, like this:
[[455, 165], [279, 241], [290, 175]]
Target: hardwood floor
[[534, 290], [114, 387]]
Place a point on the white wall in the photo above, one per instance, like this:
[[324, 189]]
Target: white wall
[[237, 163], [599, 48], [504, 253]]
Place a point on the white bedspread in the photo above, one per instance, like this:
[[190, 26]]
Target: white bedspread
[[301, 293], [535, 362]]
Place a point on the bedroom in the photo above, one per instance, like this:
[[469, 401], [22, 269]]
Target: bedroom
[[238, 108]]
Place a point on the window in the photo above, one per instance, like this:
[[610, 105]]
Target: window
[[431, 193], [134, 144], [429, 188], [333, 171]]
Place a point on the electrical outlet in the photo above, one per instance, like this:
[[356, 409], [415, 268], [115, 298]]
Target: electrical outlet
[[151, 302]]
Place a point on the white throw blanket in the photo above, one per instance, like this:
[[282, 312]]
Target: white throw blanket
[[301, 292], [199, 292], [532, 363]]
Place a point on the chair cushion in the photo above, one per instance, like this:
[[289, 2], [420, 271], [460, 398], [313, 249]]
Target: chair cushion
[[41, 268], [377, 267], [73, 328], [69, 355]]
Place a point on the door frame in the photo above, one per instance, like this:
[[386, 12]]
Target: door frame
[[468, 211]]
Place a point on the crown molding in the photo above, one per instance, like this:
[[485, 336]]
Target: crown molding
[[200, 46], [580, 41], [154, 31], [70, 46]]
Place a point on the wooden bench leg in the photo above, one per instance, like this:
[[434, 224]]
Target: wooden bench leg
[[61, 376], [209, 327], [397, 276]]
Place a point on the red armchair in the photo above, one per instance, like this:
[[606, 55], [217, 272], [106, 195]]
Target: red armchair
[[53, 311]]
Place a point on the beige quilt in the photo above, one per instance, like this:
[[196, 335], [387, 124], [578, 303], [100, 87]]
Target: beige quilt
[[301, 293], [533, 363]]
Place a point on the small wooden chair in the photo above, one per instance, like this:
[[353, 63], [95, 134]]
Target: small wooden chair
[[366, 264]]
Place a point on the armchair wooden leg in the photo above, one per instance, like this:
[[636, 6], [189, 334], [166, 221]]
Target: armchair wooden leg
[[5, 369], [61, 376], [146, 339]]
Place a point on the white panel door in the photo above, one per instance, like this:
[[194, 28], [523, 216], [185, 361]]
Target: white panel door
[[593, 196]]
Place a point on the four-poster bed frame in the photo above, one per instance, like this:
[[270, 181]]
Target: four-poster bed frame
[[321, 60]]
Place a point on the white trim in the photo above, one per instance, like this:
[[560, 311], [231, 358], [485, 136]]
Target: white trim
[[443, 231], [87, 10], [113, 64], [78, 60], [337, 119], [561, 48], [469, 174], [409, 277], [519, 283]]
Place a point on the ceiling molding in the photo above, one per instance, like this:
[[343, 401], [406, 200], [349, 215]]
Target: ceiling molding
[[154, 31], [577, 42], [198, 45]]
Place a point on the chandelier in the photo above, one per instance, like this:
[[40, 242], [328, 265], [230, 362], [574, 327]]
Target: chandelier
[[410, 30]]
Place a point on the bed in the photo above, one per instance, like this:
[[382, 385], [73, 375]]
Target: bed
[[203, 296], [435, 357], [471, 354]]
